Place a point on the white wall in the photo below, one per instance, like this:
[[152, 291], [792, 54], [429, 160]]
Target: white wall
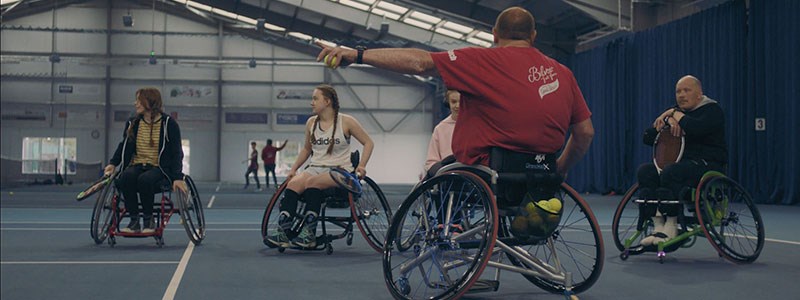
[[384, 103]]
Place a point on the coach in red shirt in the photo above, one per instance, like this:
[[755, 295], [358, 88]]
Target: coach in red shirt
[[514, 97]]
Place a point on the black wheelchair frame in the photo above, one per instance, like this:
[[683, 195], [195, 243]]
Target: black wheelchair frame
[[370, 211]]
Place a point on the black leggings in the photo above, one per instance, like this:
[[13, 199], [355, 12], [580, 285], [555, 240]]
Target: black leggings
[[675, 180], [147, 181]]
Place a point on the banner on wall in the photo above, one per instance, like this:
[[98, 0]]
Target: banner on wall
[[193, 116], [246, 118], [190, 91], [24, 114], [84, 115], [291, 119], [293, 94], [79, 89]]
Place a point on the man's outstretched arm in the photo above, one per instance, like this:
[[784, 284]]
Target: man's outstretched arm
[[401, 60]]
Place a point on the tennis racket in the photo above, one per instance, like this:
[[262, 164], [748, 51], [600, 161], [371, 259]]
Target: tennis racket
[[95, 187], [346, 180], [667, 149]]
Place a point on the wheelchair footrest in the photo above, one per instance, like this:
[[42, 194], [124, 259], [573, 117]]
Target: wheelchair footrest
[[484, 285]]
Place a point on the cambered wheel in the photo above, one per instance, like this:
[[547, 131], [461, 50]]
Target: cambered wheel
[[372, 211], [729, 219], [448, 226], [103, 214], [191, 211], [626, 223]]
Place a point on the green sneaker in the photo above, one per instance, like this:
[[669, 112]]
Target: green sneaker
[[278, 239], [306, 238]]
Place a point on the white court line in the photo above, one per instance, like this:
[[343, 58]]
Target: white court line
[[218, 184], [176, 278], [113, 262], [782, 241], [211, 202]]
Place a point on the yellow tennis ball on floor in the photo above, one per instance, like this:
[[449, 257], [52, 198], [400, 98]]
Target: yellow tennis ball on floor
[[11, 193]]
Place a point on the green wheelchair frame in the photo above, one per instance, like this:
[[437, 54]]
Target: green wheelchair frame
[[721, 210]]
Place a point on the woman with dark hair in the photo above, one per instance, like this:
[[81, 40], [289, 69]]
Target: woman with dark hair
[[327, 137], [150, 156]]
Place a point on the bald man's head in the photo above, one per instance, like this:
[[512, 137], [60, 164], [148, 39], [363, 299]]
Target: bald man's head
[[515, 23], [688, 93]]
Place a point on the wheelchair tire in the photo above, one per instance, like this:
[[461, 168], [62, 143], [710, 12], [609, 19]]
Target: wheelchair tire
[[372, 211], [191, 211], [625, 223], [103, 214], [437, 264], [269, 221], [729, 218], [578, 245]]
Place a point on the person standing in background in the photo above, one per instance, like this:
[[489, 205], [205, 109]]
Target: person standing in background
[[268, 156]]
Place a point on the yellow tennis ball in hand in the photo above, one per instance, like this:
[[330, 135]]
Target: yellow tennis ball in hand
[[332, 61]]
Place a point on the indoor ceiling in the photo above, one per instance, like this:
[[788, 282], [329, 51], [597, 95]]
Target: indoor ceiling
[[563, 26]]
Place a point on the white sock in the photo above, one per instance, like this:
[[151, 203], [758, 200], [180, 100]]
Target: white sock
[[658, 222], [670, 229]]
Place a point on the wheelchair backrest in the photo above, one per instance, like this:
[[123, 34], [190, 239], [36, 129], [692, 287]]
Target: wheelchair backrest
[[512, 175]]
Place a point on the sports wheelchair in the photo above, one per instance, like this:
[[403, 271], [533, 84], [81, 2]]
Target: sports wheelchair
[[109, 210], [369, 210], [720, 209], [455, 224]]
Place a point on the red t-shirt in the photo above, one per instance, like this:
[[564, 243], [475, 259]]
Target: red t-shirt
[[511, 97], [268, 155]]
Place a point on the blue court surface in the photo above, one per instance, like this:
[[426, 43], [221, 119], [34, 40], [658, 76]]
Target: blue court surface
[[47, 253]]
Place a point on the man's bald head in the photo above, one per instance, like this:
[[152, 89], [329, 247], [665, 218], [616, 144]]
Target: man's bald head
[[688, 93], [515, 23], [689, 79]]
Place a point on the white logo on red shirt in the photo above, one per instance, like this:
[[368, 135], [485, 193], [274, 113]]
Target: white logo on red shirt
[[452, 55], [548, 88], [541, 73]]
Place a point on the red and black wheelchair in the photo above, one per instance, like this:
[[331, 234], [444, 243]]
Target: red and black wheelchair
[[109, 210]]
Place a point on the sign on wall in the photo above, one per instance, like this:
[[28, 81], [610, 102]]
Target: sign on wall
[[291, 119], [246, 118], [293, 94], [190, 91]]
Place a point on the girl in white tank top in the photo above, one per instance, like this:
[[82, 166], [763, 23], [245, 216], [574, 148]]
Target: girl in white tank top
[[340, 154], [325, 148]]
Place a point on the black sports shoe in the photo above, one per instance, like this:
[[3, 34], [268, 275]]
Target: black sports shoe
[[132, 227], [150, 226]]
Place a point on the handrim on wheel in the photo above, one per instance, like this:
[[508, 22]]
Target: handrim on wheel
[[191, 211]]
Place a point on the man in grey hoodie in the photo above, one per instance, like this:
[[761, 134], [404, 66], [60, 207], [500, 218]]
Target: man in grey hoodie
[[701, 122]]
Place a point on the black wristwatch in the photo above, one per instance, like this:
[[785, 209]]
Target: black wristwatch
[[360, 57]]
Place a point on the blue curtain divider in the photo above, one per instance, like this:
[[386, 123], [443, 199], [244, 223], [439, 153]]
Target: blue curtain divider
[[631, 80]]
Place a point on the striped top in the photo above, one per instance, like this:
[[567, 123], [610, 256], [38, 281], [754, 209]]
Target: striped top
[[147, 152]]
